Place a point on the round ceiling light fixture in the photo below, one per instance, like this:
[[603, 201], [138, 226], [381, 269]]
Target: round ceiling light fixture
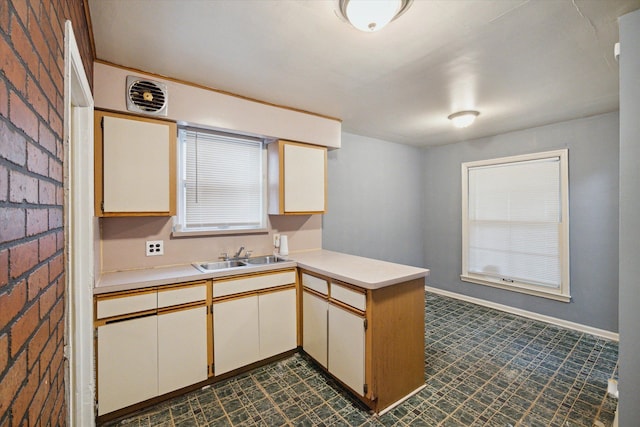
[[462, 119], [372, 15]]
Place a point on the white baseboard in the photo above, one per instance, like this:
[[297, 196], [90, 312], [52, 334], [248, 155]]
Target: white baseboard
[[614, 336]]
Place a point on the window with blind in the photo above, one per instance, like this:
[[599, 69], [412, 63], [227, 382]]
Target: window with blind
[[221, 185], [515, 223]]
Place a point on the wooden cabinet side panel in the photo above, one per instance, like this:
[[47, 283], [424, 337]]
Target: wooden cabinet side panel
[[277, 322], [128, 363], [182, 348], [235, 334], [397, 334], [314, 325]]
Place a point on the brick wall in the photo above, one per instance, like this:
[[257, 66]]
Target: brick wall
[[32, 277]]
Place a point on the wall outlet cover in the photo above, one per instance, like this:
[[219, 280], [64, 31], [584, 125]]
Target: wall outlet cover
[[155, 247]]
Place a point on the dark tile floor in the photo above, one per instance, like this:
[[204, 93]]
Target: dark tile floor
[[484, 368]]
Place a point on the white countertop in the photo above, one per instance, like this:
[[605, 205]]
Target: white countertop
[[364, 272]]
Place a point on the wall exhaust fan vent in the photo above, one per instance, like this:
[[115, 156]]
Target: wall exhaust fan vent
[[146, 96]]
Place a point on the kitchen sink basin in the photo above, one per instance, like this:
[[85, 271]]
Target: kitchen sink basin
[[267, 259], [219, 265], [206, 267]]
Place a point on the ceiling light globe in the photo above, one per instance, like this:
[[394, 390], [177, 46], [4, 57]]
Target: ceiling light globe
[[372, 15], [462, 119]]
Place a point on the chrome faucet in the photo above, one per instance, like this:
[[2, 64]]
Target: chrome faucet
[[237, 255]]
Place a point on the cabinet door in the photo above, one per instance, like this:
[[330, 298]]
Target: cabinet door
[[304, 178], [127, 363], [346, 347], [182, 348], [277, 322], [314, 327], [235, 334]]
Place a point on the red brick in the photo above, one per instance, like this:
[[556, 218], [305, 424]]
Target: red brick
[[59, 240], [55, 218], [55, 121], [4, 97], [4, 271], [23, 328], [55, 267], [61, 285], [56, 362], [48, 351], [37, 281], [36, 344], [22, 116], [12, 302], [56, 313], [37, 405], [22, 8], [59, 196], [4, 183], [4, 14], [47, 85], [47, 139], [22, 258], [55, 170], [23, 46], [47, 300], [12, 224], [22, 188], [37, 99], [47, 247], [14, 146], [37, 221], [4, 351], [37, 160], [12, 67], [38, 39], [47, 193], [21, 402], [12, 381]]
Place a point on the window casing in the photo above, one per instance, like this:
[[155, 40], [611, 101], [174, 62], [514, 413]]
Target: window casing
[[515, 223], [221, 185]]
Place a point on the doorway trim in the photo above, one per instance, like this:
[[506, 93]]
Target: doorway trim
[[79, 233]]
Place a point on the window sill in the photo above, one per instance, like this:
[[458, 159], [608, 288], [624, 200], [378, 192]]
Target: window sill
[[198, 233], [518, 287]]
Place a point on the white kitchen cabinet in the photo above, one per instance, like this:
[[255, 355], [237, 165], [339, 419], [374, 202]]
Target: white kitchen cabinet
[[297, 178], [346, 346], [236, 338], [182, 348], [314, 326], [135, 165], [127, 363], [277, 319]]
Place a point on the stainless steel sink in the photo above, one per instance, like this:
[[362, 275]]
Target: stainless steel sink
[[219, 265], [206, 267], [267, 259]]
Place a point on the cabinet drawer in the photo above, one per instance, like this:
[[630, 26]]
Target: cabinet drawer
[[317, 284], [349, 296], [118, 306], [177, 296], [252, 283]]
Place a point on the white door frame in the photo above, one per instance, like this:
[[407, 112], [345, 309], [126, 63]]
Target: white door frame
[[79, 226]]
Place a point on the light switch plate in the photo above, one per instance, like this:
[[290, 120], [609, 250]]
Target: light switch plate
[[155, 247]]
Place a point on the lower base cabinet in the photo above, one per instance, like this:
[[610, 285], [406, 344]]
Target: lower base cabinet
[[127, 363], [236, 340], [346, 347], [314, 326], [277, 316]]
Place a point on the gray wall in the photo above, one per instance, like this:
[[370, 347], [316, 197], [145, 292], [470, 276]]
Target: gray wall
[[375, 201], [629, 412], [593, 216]]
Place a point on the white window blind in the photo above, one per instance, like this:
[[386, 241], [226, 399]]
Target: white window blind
[[516, 231], [222, 181]]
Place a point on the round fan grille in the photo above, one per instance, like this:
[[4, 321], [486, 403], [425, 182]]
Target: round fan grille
[[147, 96]]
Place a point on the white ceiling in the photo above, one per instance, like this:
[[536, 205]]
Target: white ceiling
[[520, 63]]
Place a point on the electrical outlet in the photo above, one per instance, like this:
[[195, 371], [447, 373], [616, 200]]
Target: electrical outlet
[[155, 247], [276, 240]]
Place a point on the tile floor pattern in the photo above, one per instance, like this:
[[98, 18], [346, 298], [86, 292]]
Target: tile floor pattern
[[483, 368]]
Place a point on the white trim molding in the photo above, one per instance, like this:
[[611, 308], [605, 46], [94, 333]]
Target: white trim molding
[[614, 336]]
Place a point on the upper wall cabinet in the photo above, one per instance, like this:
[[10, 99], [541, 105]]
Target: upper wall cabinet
[[297, 178], [135, 166]]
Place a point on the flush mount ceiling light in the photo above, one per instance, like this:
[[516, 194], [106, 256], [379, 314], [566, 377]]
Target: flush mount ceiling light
[[372, 15], [462, 119]]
